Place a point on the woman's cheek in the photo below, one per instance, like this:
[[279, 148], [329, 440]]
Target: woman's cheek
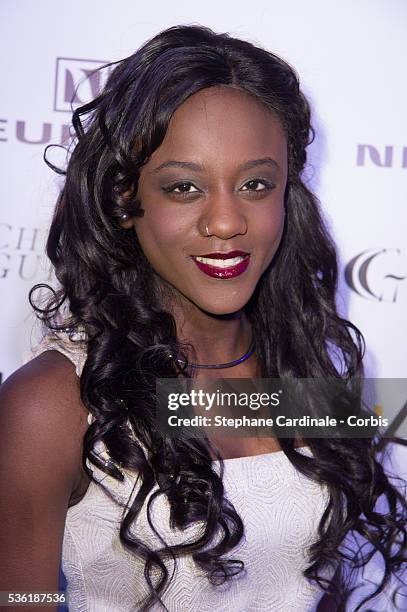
[[161, 239], [270, 233]]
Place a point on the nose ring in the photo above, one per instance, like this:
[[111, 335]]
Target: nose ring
[[207, 231]]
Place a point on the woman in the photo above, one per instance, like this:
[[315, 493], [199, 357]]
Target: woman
[[184, 237]]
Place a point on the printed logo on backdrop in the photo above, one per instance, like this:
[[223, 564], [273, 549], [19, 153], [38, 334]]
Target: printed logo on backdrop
[[376, 274], [22, 253], [381, 157], [77, 82]]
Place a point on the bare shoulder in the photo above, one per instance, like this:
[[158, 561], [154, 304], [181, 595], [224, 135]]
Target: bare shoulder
[[42, 423], [41, 410]]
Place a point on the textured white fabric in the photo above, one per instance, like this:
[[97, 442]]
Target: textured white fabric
[[280, 509]]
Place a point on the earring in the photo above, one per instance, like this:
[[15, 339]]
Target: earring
[[124, 216]]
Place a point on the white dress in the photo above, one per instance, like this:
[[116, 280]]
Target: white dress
[[280, 508]]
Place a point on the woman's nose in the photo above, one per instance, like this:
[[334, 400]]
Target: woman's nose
[[223, 217]]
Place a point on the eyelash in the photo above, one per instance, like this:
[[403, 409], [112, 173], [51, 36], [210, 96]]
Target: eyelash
[[268, 186]]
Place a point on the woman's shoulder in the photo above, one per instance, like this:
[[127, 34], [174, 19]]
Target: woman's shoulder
[[41, 431], [42, 417]]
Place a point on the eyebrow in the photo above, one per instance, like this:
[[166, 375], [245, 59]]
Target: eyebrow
[[251, 163]]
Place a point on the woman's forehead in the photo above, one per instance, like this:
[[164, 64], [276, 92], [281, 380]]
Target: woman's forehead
[[222, 124]]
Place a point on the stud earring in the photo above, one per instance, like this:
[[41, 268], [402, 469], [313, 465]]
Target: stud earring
[[124, 216]]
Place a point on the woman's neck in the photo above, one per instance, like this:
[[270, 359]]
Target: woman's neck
[[214, 338], [217, 339]]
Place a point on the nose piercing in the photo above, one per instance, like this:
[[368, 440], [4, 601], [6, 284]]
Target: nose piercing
[[207, 231]]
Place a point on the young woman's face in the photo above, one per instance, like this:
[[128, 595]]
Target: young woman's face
[[213, 196]]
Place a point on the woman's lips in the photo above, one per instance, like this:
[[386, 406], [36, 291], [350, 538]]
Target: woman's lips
[[223, 265]]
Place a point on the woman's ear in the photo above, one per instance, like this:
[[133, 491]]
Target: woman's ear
[[125, 221]]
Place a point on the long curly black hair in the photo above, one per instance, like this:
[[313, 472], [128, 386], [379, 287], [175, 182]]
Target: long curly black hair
[[107, 290]]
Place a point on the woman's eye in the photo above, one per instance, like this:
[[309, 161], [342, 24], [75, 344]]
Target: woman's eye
[[257, 185], [181, 188]]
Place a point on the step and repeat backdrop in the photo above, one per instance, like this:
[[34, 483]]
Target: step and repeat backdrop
[[351, 60]]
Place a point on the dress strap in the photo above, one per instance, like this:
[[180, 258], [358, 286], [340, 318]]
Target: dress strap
[[74, 350]]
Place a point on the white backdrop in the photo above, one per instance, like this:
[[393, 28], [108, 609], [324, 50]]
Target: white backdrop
[[351, 59]]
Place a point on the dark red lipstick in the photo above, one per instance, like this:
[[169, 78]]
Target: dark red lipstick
[[239, 261]]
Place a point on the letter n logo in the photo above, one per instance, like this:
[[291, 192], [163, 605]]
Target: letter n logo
[[384, 160], [77, 82]]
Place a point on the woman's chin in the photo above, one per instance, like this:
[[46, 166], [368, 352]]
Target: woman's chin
[[223, 307], [215, 301]]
